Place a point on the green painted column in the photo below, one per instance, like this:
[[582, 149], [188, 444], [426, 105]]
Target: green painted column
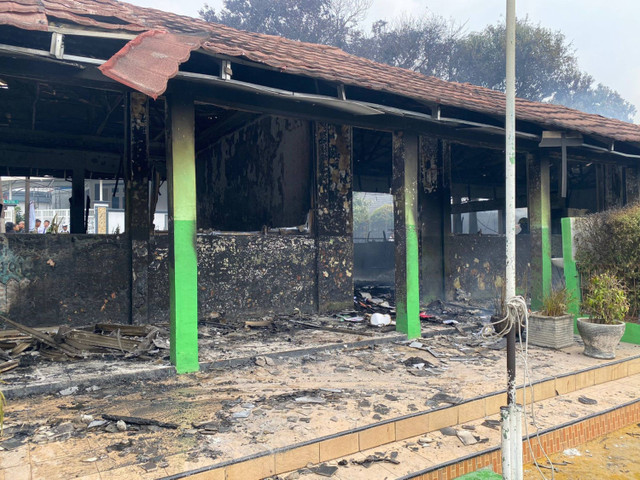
[[571, 277], [183, 265], [405, 202], [538, 186]]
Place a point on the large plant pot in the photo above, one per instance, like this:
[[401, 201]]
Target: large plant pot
[[550, 332], [600, 340]]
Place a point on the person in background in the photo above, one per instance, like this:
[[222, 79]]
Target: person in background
[[46, 226], [38, 228], [9, 227], [65, 229], [20, 227], [524, 226]]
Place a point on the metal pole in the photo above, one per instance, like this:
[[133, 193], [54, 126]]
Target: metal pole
[[511, 418], [27, 204]]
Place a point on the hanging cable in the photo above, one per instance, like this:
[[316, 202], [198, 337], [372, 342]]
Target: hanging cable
[[517, 316]]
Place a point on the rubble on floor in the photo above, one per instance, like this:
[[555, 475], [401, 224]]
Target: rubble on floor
[[245, 409]]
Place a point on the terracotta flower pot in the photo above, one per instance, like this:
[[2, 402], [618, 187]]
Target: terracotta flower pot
[[600, 339]]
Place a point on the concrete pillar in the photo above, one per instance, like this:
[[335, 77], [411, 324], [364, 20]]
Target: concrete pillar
[[76, 215], [405, 210], [458, 227], [183, 260], [538, 188], [473, 222], [137, 202], [334, 216], [434, 206]]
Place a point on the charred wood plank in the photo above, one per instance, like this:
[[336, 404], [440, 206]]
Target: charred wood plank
[[42, 337], [139, 421]]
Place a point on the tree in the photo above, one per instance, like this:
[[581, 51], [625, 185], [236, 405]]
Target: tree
[[360, 215], [382, 220], [546, 69], [423, 44], [330, 22]]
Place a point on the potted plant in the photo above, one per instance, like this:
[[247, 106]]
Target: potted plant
[[552, 326], [606, 303]]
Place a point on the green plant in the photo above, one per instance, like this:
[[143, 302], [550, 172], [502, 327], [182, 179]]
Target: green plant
[[609, 241], [3, 403], [606, 300], [55, 225], [554, 304], [18, 214]]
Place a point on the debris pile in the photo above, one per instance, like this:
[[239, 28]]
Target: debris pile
[[22, 345]]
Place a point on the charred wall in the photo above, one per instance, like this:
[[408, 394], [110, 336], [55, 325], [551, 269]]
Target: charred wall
[[258, 175], [73, 280], [242, 275], [475, 262]]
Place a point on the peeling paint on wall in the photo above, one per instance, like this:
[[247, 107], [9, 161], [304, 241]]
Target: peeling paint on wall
[[334, 216]]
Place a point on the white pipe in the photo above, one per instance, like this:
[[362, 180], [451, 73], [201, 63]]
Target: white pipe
[[510, 152], [505, 448]]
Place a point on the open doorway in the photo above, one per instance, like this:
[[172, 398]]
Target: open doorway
[[374, 250]]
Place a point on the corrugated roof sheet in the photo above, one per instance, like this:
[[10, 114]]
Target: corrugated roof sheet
[[148, 61], [322, 62]]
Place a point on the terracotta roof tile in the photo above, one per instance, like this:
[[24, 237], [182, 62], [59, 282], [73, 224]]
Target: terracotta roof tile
[[318, 61], [148, 61]]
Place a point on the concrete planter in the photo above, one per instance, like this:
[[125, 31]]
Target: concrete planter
[[600, 340], [550, 332]]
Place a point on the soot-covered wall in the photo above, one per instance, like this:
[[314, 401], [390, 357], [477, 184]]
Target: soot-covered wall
[[258, 175], [72, 280], [241, 275]]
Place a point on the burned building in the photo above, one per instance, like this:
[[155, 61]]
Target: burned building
[[261, 142]]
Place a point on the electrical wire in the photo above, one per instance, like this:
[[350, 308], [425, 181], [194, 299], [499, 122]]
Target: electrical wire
[[517, 316]]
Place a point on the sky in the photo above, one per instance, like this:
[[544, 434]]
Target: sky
[[605, 34]]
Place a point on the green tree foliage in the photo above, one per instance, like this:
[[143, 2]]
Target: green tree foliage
[[546, 63], [546, 69], [381, 220], [19, 215], [360, 215], [331, 22], [424, 44]]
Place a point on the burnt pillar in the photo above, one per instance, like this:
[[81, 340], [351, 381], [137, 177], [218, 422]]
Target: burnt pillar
[[614, 186], [405, 218], [539, 202], [137, 202], [434, 210], [334, 216], [632, 184], [76, 202]]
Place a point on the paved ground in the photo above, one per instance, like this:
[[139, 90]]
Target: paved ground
[[612, 457], [256, 407], [422, 452]]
